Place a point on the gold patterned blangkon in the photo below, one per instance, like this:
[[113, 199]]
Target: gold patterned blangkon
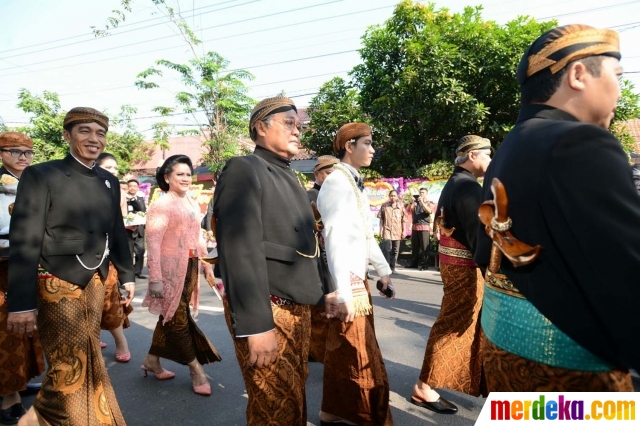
[[595, 41]]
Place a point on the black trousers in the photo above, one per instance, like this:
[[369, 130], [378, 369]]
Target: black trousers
[[420, 247], [136, 247], [390, 249]]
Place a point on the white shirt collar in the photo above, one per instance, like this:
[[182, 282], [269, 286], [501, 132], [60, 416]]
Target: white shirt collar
[[90, 168], [351, 169]]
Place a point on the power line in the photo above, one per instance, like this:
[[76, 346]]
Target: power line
[[587, 10], [151, 51], [119, 26], [214, 39], [172, 35]]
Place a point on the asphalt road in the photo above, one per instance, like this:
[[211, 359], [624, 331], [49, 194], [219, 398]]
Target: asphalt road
[[402, 327]]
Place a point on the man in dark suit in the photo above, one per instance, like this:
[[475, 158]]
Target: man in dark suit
[[268, 250], [66, 227], [135, 204], [569, 318]]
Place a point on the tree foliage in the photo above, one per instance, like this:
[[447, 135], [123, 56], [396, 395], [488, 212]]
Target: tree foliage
[[125, 142], [335, 104], [210, 89], [628, 109], [45, 124], [429, 77], [45, 128]]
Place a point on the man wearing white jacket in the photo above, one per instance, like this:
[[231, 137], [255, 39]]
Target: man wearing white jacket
[[356, 388]]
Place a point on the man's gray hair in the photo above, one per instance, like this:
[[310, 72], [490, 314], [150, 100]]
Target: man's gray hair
[[463, 158]]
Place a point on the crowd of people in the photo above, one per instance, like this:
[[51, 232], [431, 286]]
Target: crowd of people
[[528, 301]]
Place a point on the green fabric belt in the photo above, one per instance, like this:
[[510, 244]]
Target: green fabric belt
[[515, 325]]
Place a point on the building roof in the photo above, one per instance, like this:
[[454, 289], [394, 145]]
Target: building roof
[[633, 126]]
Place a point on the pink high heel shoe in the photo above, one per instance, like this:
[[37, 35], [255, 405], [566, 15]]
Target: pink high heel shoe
[[203, 389], [103, 345], [125, 357], [165, 375]]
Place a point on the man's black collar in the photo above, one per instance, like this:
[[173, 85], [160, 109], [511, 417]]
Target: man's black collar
[[272, 157]]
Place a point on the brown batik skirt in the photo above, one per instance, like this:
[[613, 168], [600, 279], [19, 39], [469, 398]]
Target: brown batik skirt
[[453, 358], [355, 383], [180, 339], [21, 356], [318, 339], [76, 389], [507, 372], [114, 313], [277, 392]]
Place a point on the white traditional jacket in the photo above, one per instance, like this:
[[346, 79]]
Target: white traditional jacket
[[347, 232]]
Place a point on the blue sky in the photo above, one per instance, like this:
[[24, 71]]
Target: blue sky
[[47, 45]]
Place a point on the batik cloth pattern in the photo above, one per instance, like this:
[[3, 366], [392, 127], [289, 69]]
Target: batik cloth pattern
[[453, 358], [114, 313], [355, 383], [507, 372], [180, 339], [21, 356], [76, 389], [277, 392]]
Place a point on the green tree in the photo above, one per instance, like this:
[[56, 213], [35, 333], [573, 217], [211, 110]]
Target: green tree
[[628, 109], [335, 104], [429, 76], [45, 128], [209, 89], [125, 142], [45, 124]]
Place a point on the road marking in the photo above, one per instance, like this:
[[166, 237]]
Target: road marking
[[200, 308]]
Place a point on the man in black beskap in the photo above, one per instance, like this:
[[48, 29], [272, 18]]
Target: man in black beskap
[[568, 321], [268, 249], [135, 236], [65, 229]]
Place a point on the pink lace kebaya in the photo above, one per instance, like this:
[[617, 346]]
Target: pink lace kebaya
[[172, 230]]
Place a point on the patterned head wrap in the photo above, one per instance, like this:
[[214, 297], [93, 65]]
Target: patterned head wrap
[[468, 143], [348, 132], [554, 49], [270, 106], [325, 162], [85, 115], [15, 139]]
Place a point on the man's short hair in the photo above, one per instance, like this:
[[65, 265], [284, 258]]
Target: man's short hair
[[539, 88], [133, 180], [423, 189]]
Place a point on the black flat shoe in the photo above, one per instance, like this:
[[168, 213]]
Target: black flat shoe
[[11, 415], [441, 406], [32, 389], [142, 277], [336, 423]]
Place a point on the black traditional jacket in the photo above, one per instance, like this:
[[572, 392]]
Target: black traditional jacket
[[265, 229], [313, 193], [63, 214], [570, 189], [460, 199]]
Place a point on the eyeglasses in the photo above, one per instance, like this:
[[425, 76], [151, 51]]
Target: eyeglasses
[[289, 124], [16, 153]]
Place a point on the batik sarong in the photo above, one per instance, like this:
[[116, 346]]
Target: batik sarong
[[180, 339], [453, 358], [76, 389], [355, 383], [318, 333], [21, 356], [114, 313], [277, 392]]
